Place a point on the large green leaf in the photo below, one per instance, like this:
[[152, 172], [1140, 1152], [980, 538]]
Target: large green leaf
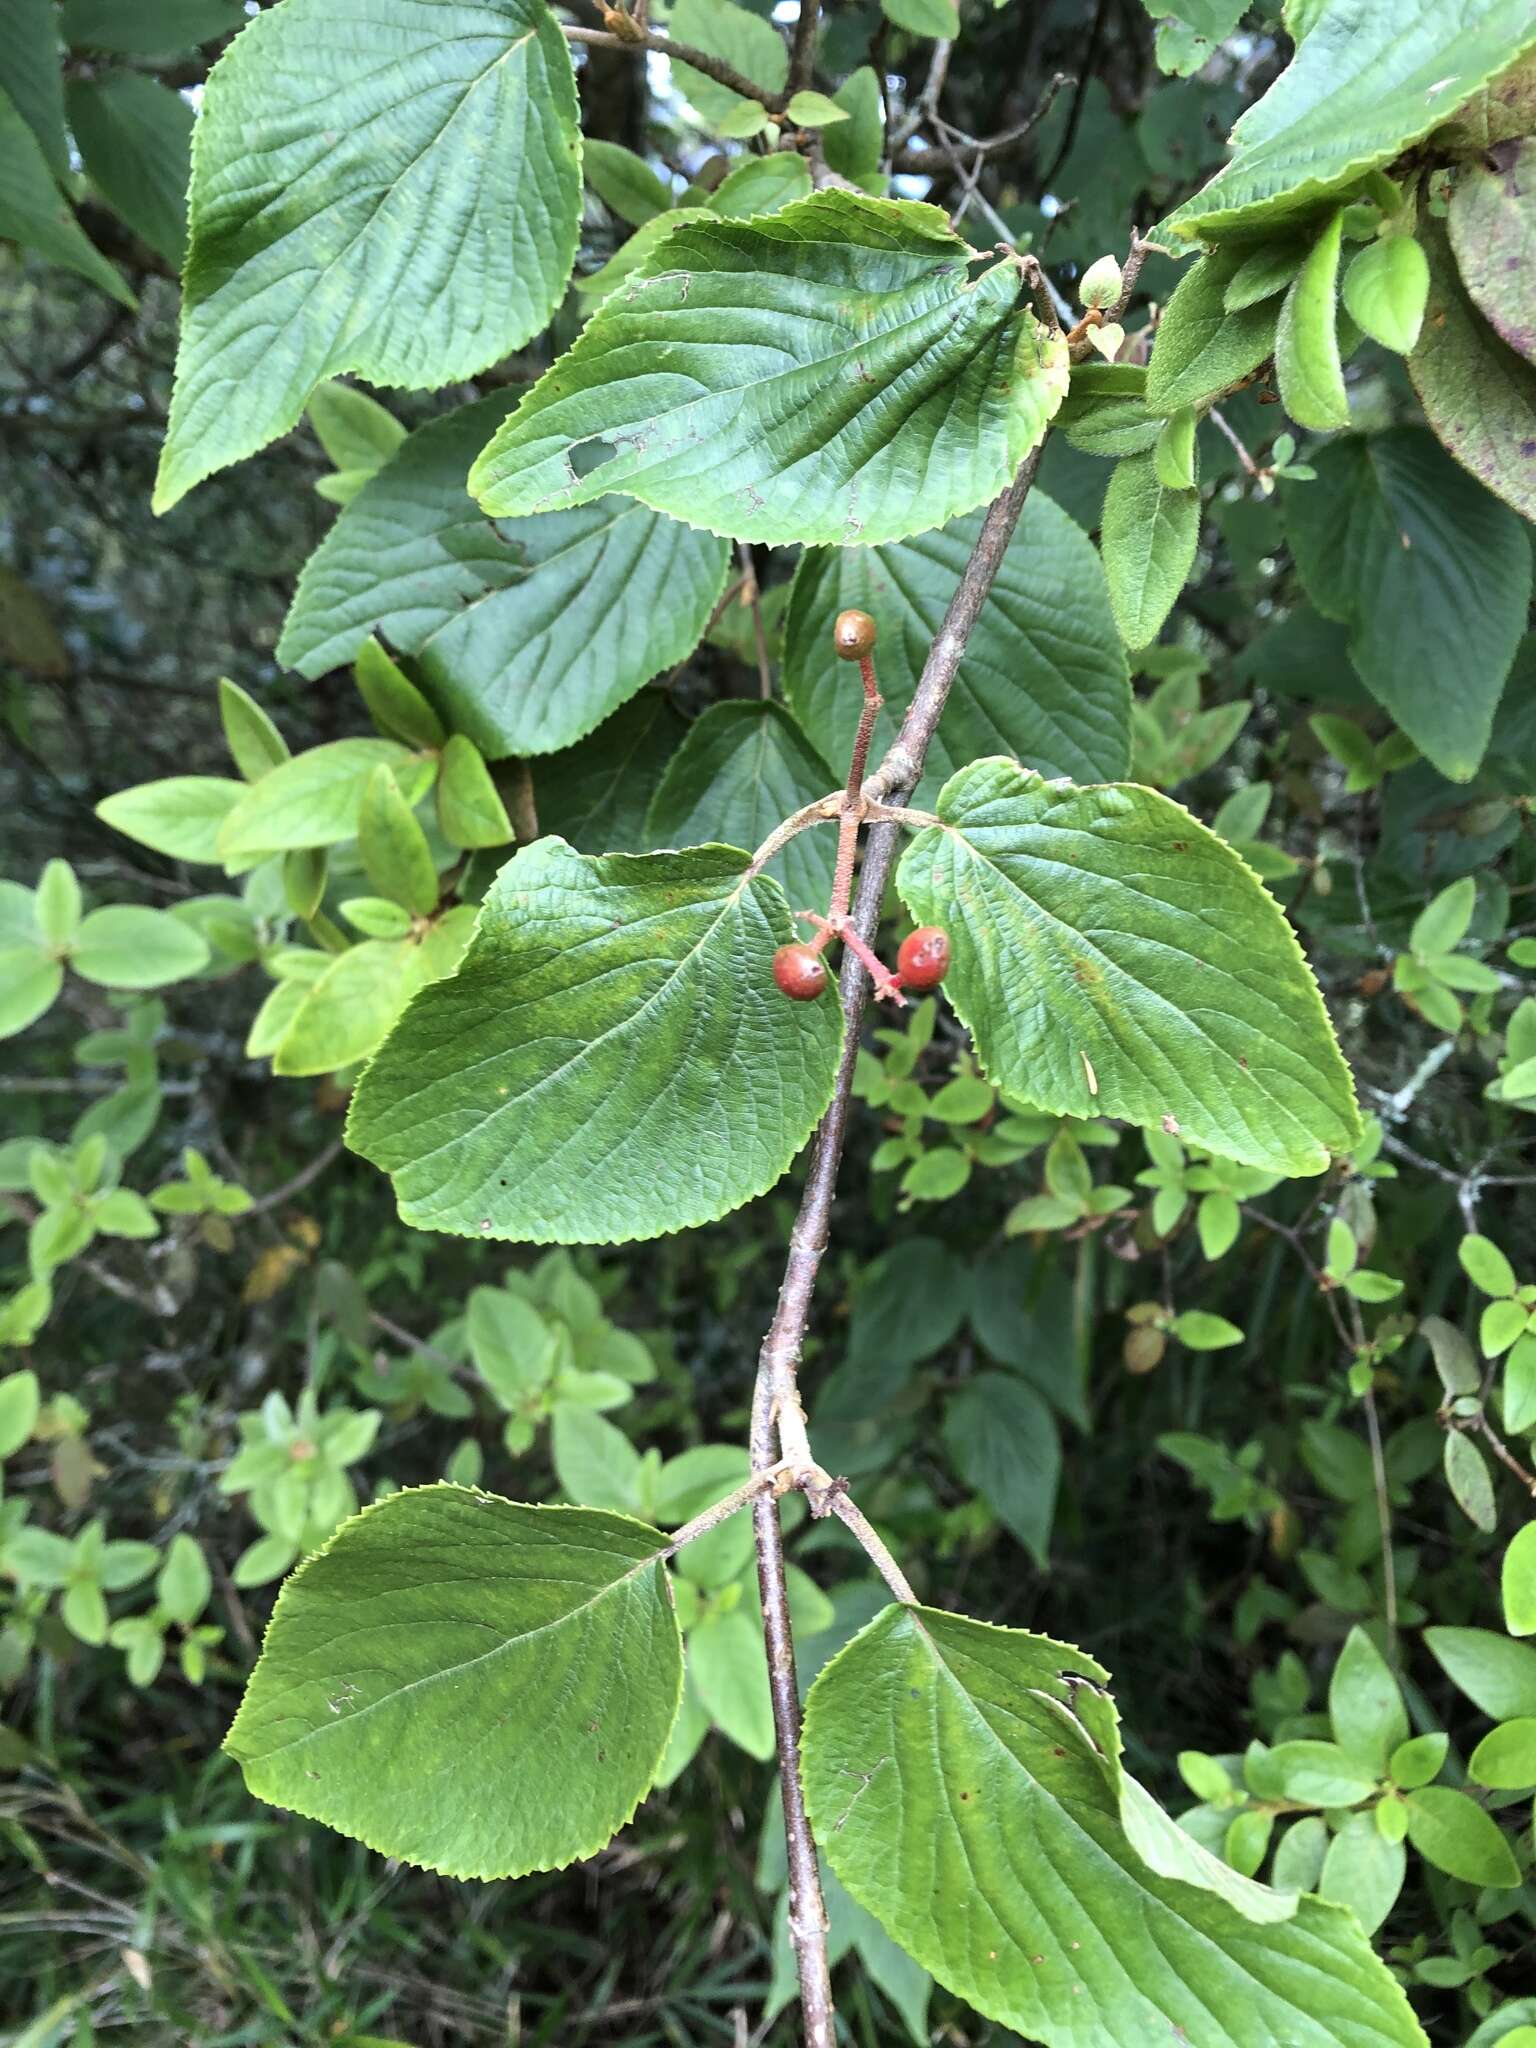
[[1478, 393], [1431, 574], [135, 139], [964, 1782], [743, 768], [1114, 958], [528, 632], [1368, 80], [829, 373], [396, 194], [1044, 675], [35, 213], [469, 1684], [1149, 536], [1492, 223], [149, 28], [32, 78], [611, 1061]]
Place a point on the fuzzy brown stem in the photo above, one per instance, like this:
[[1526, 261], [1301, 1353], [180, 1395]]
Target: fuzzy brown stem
[[680, 53]]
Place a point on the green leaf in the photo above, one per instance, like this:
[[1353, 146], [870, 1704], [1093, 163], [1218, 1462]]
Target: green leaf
[[30, 77], [1105, 411], [1429, 572], [912, 391], [1519, 1582], [1299, 1855], [314, 799], [744, 40], [30, 980], [728, 1669], [184, 1582], [1491, 221], [469, 809], [1478, 394], [1365, 1704], [180, 816], [624, 182], [513, 1347], [1386, 288], [135, 139], [596, 794], [1202, 1331], [20, 1401], [1467, 1475], [964, 1782], [1203, 349], [128, 947], [936, 19], [1308, 368], [1416, 1761], [1148, 538], [1263, 274], [342, 1017], [355, 431], [1173, 457], [35, 213], [1495, 1674], [528, 632], [1505, 1759], [58, 903], [814, 110], [1482, 1261], [612, 1061], [743, 768], [1363, 1871], [1190, 999], [595, 1463], [1319, 1774], [315, 249], [149, 28], [762, 184], [1455, 1834], [854, 147], [254, 742], [1005, 1445], [1367, 81], [442, 1624], [394, 703], [393, 848], [1044, 673]]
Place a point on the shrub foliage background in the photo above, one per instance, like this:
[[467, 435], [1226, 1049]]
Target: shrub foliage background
[[1262, 1446]]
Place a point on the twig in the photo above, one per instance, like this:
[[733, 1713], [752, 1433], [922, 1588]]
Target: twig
[[927, 102], [301, 1180], [874, 1546], [930, 162], [1230, 434], [1074, 118], [680, 53], [802, 56], [821, 812], [778, 1420]]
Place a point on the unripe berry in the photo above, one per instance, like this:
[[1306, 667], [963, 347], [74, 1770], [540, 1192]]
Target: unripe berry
[[853, 635], [923, 958], [800, 973]]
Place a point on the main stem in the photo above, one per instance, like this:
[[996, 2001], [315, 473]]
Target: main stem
[[778, 1419]]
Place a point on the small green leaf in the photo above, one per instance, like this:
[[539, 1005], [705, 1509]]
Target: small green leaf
[[1264, 274], [854, 147], [355, 431], [1417, 1761], [180, 816], [762, 184], [128, 947], [1486, 1266], [1386, 288], [624, 182], [441, 1623], [1495, 1674], [1202, 1331], [1174, 456], [469, 807], [1307, 365], [1202, 350], [1019, 872], [20, 1401], [1363, 1871], [394, 703], [1467, 1475], [184, 1582], [1365, 1704], [1455, 1834], [393, 848], [612, 1061], [1505, 1759], [814, 110], [927, 412], [343, 1016], [939, 20], [1519, 1582], [58, 903], [1148, 540], [1320, 1773], [313, 799], [254, 742], [30, 980]]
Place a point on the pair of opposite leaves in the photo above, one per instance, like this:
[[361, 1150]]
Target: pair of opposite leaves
[[612, 1059]]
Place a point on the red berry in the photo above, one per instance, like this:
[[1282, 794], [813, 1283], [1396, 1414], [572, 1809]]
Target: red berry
[[853, 635], [923, 958], [800, 973]]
